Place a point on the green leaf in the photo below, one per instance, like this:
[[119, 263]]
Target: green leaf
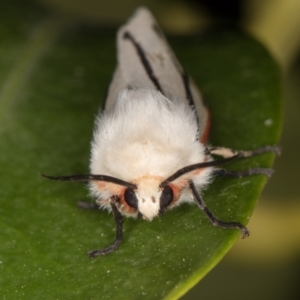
[[53, 77]]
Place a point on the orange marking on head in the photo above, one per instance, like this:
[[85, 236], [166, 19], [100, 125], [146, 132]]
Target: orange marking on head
[[115, 189], [197, 172], [176, 191], [180, 184], [205, 134], [119, 191], [124, 207]]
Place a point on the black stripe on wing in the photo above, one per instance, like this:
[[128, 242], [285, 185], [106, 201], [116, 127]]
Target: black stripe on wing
[[146, 64], [188, 92], [184, 76]]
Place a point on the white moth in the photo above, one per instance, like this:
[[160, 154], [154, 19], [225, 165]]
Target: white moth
[[149, 152]]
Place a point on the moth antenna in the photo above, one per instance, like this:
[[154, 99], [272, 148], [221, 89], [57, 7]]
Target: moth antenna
[[194, 167], [92, 177]]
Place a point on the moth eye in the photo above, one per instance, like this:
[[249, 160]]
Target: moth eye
[[130, 198], [166, 196]]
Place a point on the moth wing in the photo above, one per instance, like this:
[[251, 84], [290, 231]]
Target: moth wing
[[117, 84], [154, 50], [145, 60]]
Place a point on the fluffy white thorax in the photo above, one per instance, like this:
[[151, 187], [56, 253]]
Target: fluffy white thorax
[[145, 134]]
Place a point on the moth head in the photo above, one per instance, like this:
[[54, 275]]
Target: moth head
[[151, 195], [149, 199], [148, 196]]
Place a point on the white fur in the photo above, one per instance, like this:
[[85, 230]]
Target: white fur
[[146, 135], [143, 137]]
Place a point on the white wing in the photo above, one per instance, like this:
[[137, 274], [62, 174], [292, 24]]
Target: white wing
[[145, 60]]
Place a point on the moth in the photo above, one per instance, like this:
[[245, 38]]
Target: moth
[[149, 152]]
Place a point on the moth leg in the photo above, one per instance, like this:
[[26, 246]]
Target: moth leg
[[228, 152], [87, 205], [240, 174], [119, 233], [216, 222]]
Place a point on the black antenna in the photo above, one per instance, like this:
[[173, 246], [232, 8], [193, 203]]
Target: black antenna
[[194, 167], [91, 177]]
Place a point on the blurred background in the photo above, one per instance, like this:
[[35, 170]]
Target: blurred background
[[267, 265]]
